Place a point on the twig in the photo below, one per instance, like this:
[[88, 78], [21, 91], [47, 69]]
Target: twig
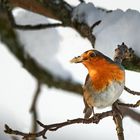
[[31, 27], [33, 109], [131, 91], [53, 127], [95, 24], [137, 104], [35, 97], [130, 113], [37, 27]]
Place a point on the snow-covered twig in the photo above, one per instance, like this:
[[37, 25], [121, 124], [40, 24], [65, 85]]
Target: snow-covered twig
[[31, 27]]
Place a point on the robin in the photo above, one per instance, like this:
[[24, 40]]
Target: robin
[[104, 82]]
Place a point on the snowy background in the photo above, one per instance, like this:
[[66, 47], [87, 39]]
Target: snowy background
[[18, 86]]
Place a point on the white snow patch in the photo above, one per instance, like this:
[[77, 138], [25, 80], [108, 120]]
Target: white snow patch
[[87, 13], [118, 27], [42, 45], [115, 27]]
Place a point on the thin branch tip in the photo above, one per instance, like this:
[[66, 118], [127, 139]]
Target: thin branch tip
[[7, 129], [131, 91]]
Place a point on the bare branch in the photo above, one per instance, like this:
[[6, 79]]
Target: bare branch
[[128, 112], [37, 27], [35, 97], [137, 104], [53, 127], [95, 24], [131, 91], [33, 109], [10, 39], [31, 27], [118, 122]]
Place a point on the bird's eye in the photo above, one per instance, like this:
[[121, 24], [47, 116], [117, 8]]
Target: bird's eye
[[92, 55]]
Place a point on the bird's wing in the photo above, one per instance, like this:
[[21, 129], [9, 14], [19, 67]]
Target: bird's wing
[[87, 97]]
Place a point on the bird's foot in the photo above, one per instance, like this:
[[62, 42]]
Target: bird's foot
[[116, 110]]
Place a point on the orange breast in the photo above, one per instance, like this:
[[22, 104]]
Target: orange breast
[[103, 73]]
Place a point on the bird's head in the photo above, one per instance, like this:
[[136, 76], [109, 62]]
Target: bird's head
[[86, 57], [93, 59]]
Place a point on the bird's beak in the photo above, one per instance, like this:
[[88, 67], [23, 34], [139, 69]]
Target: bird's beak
[[78, 59]]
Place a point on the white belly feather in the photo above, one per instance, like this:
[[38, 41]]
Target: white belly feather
[[108, 97]]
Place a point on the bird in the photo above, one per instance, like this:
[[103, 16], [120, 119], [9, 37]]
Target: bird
[[104, 82]]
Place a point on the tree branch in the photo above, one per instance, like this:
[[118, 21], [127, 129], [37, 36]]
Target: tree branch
[[10, 39], [33, 109], [37, 27], [128, 112], [131, 91], [31, 27], [53, 127], [59, 10], [62, 11], [137, 104], [117, 117]]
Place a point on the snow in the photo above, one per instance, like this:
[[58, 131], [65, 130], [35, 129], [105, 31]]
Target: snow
[[115, 27], [113, 5], [62, 44], [118, 27], [42, 45], [87, 13]]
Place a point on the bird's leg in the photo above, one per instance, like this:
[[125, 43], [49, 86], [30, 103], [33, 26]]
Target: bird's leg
[[117, 117], [116, 109]]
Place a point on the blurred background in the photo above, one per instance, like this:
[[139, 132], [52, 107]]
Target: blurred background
[[52, 49]]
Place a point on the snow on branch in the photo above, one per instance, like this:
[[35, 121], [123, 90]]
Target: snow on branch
[[31, 27]]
